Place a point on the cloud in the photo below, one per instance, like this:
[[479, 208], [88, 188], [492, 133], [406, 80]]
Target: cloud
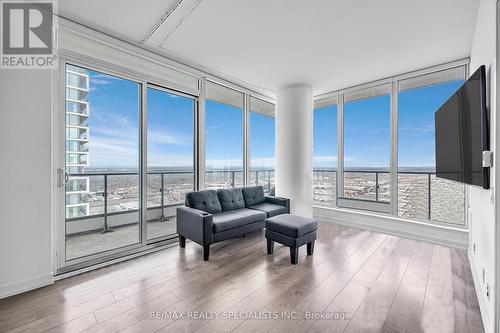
[[418, 129], [349, 161], [163, 136], [160, 159], [212, 128], [322, 159], [265, 162]]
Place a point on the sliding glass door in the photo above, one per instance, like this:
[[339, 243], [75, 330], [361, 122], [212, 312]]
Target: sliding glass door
[[115, 130], [102, 190], [170, 157]]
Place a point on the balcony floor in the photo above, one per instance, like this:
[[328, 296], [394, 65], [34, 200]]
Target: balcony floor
[[84, 244], [365, 281]]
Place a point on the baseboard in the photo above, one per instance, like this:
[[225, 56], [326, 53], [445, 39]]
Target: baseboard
[[480, 295], [26, 285], [433, 233]]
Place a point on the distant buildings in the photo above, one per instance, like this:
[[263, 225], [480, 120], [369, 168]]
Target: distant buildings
[[77, 140]]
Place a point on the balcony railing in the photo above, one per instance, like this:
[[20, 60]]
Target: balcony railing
[[165, 189], [421, 194]]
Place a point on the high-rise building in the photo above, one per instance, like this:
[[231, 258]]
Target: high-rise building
[[77, 140]]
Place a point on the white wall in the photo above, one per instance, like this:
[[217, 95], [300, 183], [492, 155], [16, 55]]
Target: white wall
[[25, 180], [481, 212]]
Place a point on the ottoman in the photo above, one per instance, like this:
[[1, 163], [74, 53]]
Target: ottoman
[[292, 231]]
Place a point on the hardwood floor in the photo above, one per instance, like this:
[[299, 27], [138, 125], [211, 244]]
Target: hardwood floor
[[355, 281]]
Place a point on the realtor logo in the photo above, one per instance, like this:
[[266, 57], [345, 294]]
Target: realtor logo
[[27, 35]]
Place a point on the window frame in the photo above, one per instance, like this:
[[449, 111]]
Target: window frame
[[394, 82], [65, 267]]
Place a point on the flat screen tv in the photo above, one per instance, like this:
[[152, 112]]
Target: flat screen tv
[[462, 133]]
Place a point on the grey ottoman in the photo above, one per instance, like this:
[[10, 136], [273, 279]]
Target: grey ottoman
[[292, 231]]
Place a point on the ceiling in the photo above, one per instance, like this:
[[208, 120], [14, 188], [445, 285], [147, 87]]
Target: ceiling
[[269, 44]]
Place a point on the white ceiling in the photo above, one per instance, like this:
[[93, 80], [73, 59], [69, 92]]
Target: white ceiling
[[327, 44]]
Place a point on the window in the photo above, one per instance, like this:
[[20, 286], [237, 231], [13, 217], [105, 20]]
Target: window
[[170, 142], [367, 149], [223, 137], [261, 141], [365, 163], [420, 194], [325, 152]]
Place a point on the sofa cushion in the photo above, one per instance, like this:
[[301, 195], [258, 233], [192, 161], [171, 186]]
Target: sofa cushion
[[291, 225], [253, 195], [207, 201], [227, 220], [270, 209], [231, 199]]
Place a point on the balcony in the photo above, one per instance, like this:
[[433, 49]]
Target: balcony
[[79, 108], [113, 204]]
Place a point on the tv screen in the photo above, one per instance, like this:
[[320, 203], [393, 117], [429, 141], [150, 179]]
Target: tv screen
[[462, 133]]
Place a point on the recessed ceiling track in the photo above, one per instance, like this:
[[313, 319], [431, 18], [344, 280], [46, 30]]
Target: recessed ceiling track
[[169, 22]]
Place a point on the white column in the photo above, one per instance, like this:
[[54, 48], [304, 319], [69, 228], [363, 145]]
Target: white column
[[294, 174]]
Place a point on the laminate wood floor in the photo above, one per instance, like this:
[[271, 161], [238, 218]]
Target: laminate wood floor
[[356, 281]]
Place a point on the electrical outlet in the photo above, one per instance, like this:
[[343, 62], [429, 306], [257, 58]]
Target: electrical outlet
[[488, 291], [474, 248]]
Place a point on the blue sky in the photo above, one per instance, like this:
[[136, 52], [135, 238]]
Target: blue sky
[[224, 137], [366, 129], [114, 114], [114, 122]]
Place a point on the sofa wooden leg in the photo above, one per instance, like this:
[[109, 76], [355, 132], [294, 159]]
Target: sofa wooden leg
[[206, 252], [270, 246], [310, 248], [294, 255], [182, 241]]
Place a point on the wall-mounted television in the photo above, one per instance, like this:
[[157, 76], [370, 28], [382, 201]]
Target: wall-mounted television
[[462, 133]]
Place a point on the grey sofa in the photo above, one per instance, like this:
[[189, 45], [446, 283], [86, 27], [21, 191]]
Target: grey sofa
[[212, 216]]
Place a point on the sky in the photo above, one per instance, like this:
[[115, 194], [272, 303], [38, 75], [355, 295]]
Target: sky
[[114, 123], [367, 129], [114, 134]]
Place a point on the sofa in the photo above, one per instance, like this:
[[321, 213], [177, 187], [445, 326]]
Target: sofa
[[212, 216]]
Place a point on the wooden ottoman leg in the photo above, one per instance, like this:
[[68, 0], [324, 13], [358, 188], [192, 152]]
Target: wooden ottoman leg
[[270, 246], [310, 248], [294, 255]]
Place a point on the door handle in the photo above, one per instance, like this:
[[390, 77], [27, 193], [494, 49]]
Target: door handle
[[63, 177]]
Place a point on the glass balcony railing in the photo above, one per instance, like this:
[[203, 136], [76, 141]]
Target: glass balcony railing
[[81, 108], [118, 192], [421, 195], [264, 178], [215, 179]]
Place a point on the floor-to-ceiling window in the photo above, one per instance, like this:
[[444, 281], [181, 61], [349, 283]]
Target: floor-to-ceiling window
[[223, 137], [325, 155], [367, 149], [379, 161], [102, 161], [170, 157], [421, 194], [261, 142], [131, 152]]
